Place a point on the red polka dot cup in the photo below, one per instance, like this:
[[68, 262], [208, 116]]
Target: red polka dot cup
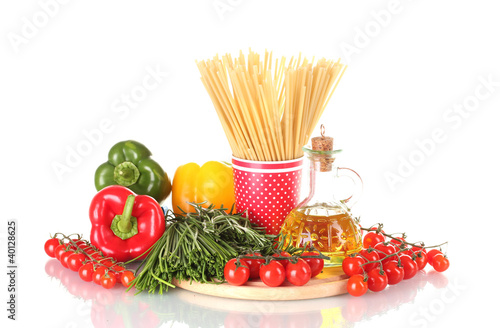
[[268, 191]]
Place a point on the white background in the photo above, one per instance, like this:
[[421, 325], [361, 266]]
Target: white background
[[411, 63]]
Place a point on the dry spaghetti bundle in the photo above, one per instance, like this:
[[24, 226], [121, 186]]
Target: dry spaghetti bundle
[[268, 109]]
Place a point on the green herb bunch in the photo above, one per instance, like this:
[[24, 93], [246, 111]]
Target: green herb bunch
[[196, 246]]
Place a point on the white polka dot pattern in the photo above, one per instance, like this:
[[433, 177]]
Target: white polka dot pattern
[[268, 196]]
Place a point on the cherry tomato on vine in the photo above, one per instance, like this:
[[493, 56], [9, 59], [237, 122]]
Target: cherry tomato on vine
[[59, 250], [369, 256], [357, 285], [94, 255], [377, 280], [397, 241], [404, 250], [254, 265], [316, 265], [421, 260], [298, 273], [127, 278], [107, 263], [86, 246], [372, 239], [417, 249], [410, 267], [108, 280], [119, 271], [394, 272], [414, 250], [78, 243], [97, 275], [64, 258], [86, 271], [284, 263], [384, 249], [440, 263], [353, 265], [431, 254], [75, 261], [50, 246], [236, 276], [272, 274]]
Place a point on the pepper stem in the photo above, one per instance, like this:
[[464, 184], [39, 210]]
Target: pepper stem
[[126, 174], [124, 226]]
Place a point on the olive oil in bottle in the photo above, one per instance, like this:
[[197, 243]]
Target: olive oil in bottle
[[321, 219], [336, 236]]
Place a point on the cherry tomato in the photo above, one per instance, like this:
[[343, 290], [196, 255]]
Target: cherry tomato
[[75, 261], [394, 272], [369, 256], [86, 246], [410, 267], [284, 263], [414, 250], [440, 263], [384, 250], [272, 274], [59, 250], [431, 254], [254, 265], [94, 255], [397, 241], [108, 280], [316, 265], [119, 270], [236, 276], [357, 285], [127, 278], [377, 280], [417, 249], [372, 239], [421, 259], [353, 265], [50, 246], [298, 273], [78, 242], [64, 258], [86, 271], [97, 275], [107, 263]]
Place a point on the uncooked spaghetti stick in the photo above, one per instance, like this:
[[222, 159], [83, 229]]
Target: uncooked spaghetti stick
[[240, 134], [225, 100], [241, 97], [234, 146], [298, 128], [255, 115]]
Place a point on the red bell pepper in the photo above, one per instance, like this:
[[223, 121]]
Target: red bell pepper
[[125, 225]]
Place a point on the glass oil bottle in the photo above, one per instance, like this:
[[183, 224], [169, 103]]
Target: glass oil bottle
[[321, 219]]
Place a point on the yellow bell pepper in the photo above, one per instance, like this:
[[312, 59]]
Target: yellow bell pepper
[[212, 182]]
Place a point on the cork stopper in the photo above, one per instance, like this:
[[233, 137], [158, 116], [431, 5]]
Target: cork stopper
[[323, 143]]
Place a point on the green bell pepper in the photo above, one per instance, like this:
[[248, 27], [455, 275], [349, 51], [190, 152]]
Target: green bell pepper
[[129, 164]]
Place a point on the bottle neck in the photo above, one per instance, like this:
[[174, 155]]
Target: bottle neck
[[321, 190]]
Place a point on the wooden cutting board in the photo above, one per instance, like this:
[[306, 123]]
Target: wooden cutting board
[[331, 282]]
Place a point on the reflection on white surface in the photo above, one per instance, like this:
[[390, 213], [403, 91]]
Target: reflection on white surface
[[100, 308]]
